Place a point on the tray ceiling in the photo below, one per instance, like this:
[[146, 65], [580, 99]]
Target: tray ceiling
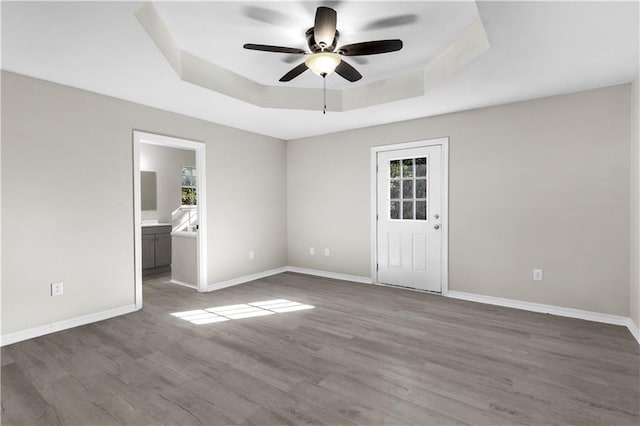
[[535, 49]]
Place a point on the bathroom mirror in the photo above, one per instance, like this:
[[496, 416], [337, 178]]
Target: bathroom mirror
[[148, 190]]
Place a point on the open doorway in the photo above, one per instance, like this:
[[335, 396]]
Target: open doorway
[[169, 210]]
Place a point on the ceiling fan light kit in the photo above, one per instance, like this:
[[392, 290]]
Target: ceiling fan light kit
[[324, 58], [323, 63]]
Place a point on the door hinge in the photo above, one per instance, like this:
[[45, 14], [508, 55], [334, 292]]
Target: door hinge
[[377, 267], [376, 168], [376, 216]]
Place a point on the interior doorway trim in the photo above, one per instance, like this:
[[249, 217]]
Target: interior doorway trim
[[170, 142], [444, 142]]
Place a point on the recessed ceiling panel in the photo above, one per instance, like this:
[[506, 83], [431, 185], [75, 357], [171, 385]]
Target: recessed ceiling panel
[[405, 83]]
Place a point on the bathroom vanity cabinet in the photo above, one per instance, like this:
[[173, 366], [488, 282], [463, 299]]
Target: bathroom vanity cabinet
[[156, 249]]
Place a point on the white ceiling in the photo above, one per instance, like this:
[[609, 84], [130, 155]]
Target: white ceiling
[[536, 49]]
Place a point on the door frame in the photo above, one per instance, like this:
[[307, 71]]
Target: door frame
[[140, 137], [444, 142]]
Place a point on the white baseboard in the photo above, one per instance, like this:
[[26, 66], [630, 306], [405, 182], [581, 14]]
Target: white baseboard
[[326, 274], [306, 271], [498, 301], [241, 280], [633, 328], [548, 309], [18, 336], [183, 284]]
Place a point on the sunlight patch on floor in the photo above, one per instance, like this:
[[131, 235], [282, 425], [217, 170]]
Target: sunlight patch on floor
[[242, 310]]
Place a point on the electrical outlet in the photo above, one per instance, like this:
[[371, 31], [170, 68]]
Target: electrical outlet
[[252, 254], [57, 288], [326, 252], [537, 274], [312, 251]]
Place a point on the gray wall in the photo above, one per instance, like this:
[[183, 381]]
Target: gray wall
[[167, 163], [634, 286], [543, 183], [67, 193]]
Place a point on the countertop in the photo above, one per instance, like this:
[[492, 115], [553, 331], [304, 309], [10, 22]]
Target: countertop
[[184, 234], [146, 224]]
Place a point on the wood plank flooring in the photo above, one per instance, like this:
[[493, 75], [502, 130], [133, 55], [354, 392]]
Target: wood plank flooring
[[364, 355]]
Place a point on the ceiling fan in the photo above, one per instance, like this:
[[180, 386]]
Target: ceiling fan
[[323, 57]]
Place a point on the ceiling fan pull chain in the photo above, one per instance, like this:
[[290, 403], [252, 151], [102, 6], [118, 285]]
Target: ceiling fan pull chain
[[324, 80]]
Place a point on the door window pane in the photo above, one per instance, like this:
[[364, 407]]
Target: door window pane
[[394, 169], [394, 210], [407, 188], [407, 168], [394, 191], [421, 210], [421, 167], [407, 209], [421, 188]]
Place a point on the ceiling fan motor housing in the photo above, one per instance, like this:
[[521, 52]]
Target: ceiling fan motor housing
[[315, 47]]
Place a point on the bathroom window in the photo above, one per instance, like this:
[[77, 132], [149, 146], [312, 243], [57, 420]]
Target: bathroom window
[[188, 176]]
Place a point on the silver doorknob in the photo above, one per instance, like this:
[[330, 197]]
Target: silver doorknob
[[436, 216], [436, 226]]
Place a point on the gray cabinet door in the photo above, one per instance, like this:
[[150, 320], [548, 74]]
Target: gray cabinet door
[[163, 249], [148, 251]]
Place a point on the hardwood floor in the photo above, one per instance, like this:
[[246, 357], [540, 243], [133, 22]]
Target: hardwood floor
[[364, 355]]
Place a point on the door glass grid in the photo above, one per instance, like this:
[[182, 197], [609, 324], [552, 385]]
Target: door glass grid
[[408, 189]]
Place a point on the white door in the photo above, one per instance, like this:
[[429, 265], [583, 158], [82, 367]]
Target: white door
[[409, 204]]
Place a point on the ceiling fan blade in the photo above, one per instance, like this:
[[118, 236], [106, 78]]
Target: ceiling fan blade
[[324, 28], [358, 60], [294, 72], [269, 16], [348, 72], [370, 47], [277, 49], [394, 21]]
